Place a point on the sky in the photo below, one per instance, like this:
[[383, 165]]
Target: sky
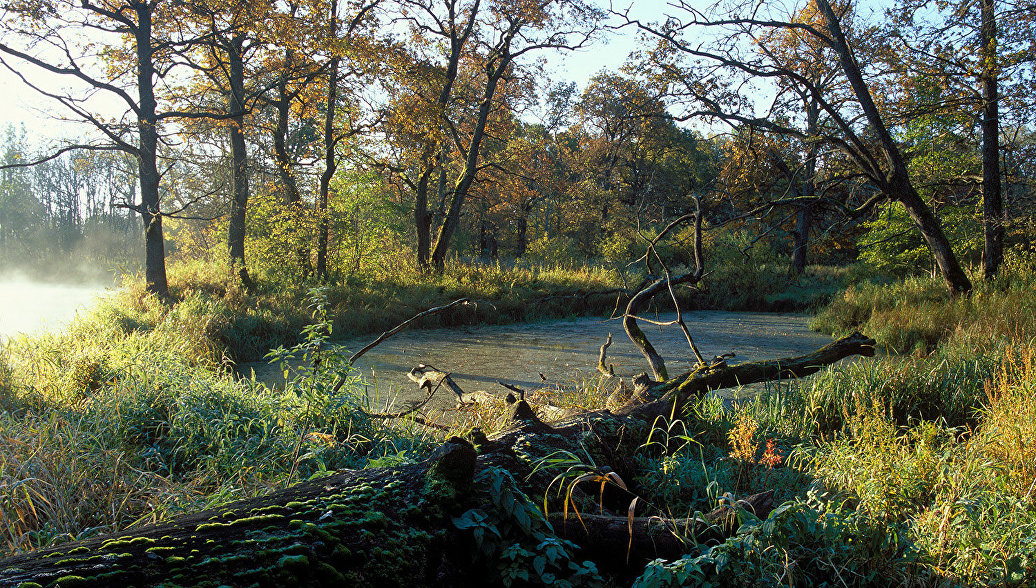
[[20, 105]]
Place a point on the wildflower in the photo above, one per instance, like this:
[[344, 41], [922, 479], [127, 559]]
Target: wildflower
[[771, 457]]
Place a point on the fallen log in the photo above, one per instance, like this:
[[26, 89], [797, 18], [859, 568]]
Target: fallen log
[[623, 541], [682, 388], [394, 526], [353, 528]]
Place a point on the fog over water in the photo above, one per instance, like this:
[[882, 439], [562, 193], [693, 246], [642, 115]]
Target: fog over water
[[27, 306]]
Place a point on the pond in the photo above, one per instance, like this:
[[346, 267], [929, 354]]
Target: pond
[[560, 352]]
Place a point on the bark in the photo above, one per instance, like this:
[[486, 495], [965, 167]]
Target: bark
[[239, 202], [330, 160], [803, 220], [280, 135], [636, 305], [460, 32], [689, 385], [521, 228], [147, 156], [992, 199], [639, 301], [945, 259]]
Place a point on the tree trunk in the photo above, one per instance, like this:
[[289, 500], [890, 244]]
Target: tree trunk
[[897, 185], [992, 199], [292, 197], [239, 202], [330, 160], [636, 305], [945, 259], [653, 537], [460, 189], [422, 220], [147, 157], [522, 230], [804, 216]]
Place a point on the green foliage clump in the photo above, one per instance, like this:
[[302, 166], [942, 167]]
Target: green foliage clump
[[892, 244], [803, 542], [132, 416], [516, 541]]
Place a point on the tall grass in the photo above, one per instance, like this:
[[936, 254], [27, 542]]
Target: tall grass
[[918, 315], [896, 470], [247, 324], [913, 469], [131, 416], [874, 492]]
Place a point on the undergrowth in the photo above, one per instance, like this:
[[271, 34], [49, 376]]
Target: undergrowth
[[131, 416], [896, 470], [913, 469]]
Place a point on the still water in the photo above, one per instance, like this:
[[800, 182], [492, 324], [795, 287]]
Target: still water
[[562, 352]]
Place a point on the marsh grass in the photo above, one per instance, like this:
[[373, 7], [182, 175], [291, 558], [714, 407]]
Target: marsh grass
[[913, 469], [132, 416], [875, 486], [245, 325], [917, 315]]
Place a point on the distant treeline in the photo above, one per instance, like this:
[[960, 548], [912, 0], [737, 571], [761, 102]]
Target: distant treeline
[[63, 219]]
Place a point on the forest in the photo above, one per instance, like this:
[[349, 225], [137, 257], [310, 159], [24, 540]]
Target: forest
[[264, 180]]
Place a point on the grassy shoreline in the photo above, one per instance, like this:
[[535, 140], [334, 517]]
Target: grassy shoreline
[[247, 325], [910, 470]]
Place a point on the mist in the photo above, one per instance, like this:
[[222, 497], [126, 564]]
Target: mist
[[30, 306]]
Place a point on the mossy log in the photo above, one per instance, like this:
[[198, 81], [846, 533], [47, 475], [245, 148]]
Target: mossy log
[[378, 527], [394, 526]]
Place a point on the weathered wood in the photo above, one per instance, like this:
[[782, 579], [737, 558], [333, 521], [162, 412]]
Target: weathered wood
[[428, 377], [620, 541], [605, 369], [544, 410], [639, 301], [682, 388], [355, 528]]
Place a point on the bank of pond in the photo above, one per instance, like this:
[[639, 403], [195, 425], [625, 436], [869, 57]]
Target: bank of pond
[[915, 468]]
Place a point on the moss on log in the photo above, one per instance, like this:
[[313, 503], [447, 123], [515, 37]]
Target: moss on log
[[384, 527]]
